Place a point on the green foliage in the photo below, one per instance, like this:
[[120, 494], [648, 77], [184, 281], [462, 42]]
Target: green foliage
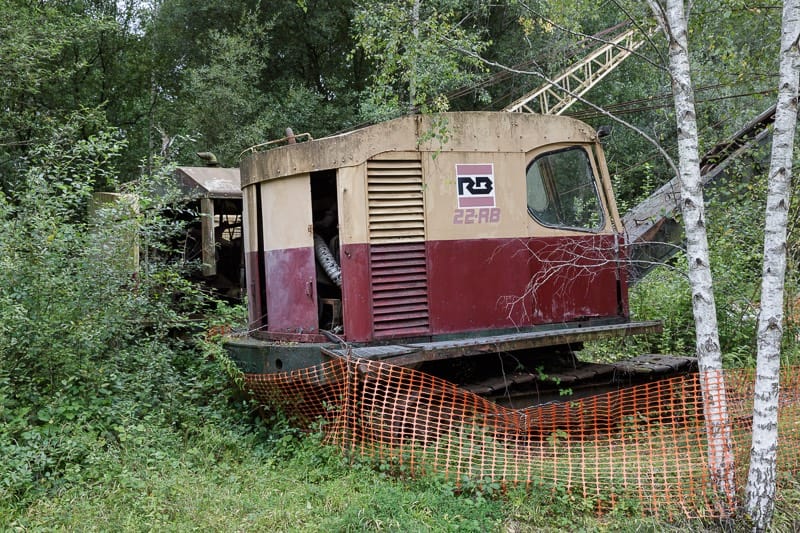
[[270, 478], [420, 50], [735, 216], [222, 102], [61, 58], [94, 355]]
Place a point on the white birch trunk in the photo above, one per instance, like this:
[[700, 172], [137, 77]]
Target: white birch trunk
[[720, 453], [760, 489]]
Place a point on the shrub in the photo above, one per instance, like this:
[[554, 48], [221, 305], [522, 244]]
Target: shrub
[[94, 354]]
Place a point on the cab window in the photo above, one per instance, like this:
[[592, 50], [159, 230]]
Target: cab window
[[562, 191]]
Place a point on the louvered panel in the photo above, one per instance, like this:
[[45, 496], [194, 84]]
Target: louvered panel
[[386, 310], [399, 289], [401, 180], [410, 198], [392, 231], [408, 295], [400, 272], [389, 167], [405, 262], [397, 248], [395, 201], [407, 220], [385, 207]]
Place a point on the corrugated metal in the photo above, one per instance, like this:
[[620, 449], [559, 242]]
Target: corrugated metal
[[399, 289], [396, 205]]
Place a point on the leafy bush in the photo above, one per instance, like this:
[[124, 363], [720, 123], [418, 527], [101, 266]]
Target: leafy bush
[[735, 222], [95, 355]]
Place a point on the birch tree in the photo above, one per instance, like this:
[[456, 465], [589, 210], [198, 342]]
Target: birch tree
[[672, 19], [760, 489]]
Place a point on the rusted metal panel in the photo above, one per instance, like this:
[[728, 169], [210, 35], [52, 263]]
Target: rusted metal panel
[[399, 289], [259, 356], [413, 353], [502, 283], [210, 182], [473, 286], [392, 191], [356, 301], [494, 131], [291, 291]]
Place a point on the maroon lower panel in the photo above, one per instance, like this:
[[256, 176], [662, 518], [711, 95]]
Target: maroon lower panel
[[291, 290], [507, 283], [356, 292], [622, 269], [476, 284], [472, 285], [575, 278]]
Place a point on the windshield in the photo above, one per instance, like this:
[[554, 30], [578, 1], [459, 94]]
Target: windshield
[[562, 191]]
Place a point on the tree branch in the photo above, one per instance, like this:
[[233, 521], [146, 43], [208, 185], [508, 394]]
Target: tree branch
[[599, 39], [597, 108]]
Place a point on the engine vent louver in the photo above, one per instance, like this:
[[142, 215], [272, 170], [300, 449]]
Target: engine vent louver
[[397, 248], [399, 289], [396, 208]]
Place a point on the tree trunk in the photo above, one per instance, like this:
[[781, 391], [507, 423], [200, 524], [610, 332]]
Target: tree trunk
[[760, 489], [720, 454]]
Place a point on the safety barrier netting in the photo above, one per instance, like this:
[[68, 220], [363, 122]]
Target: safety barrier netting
[[645, 445]]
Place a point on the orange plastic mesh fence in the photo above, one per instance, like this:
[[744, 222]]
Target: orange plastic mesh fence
[[644, 444]]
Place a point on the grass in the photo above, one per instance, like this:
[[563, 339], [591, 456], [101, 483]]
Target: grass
[[236, 474], [228, 482], [275, 480]]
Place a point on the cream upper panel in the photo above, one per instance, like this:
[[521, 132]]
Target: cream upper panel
[[352, 197], [250, 216], [475, 195], [465, 132], [480, 151], [484, 195], [286, 213]]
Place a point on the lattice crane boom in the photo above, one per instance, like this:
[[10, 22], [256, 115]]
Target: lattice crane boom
[[555, 98]]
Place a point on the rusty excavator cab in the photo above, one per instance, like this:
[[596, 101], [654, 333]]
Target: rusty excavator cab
[[476, 246]]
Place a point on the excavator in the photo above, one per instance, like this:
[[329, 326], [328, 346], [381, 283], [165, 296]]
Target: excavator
[[486, 257]]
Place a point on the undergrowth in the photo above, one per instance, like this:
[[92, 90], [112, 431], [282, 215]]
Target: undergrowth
[[116, 412]]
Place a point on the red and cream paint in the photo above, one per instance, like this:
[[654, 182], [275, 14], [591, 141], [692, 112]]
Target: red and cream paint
[[488, 267]]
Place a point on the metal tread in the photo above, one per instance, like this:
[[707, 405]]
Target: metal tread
[[411, 353]]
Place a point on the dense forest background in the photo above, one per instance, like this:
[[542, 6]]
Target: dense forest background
[[110, 392]]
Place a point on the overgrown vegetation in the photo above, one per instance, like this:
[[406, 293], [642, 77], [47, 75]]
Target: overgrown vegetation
[[97, 354], [116, 412], [735, 227]]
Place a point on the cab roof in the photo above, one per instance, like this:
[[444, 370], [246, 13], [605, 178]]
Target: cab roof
[[471, 131]]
